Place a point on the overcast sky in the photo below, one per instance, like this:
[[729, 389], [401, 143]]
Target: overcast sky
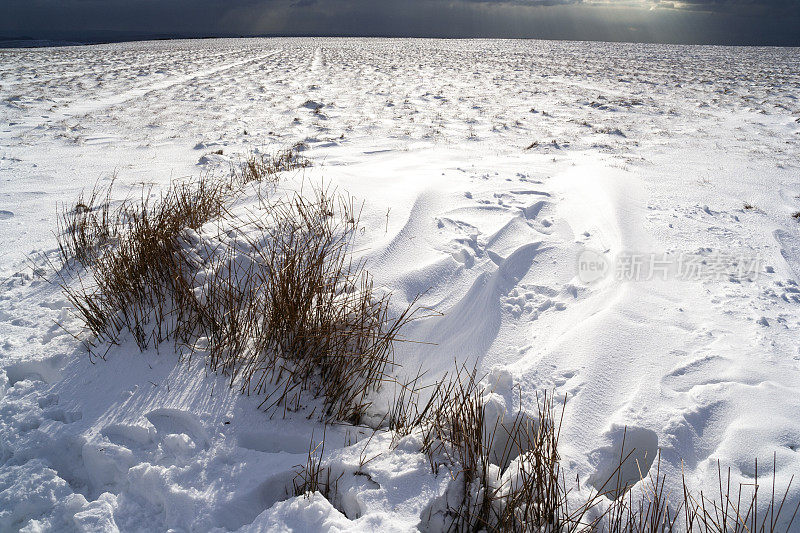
[[684, 21]]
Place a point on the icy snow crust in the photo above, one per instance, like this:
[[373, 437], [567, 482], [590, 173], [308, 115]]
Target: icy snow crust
[[486, 168]]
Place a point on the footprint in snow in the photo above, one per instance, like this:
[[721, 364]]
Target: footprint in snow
[[176, 421], [694, 431], [46, 370], [272, 442], [130, 436], [635, 447]]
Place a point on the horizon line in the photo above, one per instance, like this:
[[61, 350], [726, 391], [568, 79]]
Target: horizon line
[[122, 36]]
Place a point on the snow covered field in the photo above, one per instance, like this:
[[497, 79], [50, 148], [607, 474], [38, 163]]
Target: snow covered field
[[492, 172]]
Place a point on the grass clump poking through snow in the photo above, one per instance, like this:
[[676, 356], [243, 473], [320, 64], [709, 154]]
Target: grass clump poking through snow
[[85, 227], [136, 282], [313, 477], [271, 298], [263, 167], [505, 475], [290, 311]]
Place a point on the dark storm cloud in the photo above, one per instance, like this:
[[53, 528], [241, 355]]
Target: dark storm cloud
[[530, 3], [742, 7], [698, 21]]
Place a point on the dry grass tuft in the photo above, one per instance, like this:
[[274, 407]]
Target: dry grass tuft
[[507, 476], [313, 477], [272, 299], [267, 167], [293, 313], [136, 282], [85, 227], [506, 473]]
